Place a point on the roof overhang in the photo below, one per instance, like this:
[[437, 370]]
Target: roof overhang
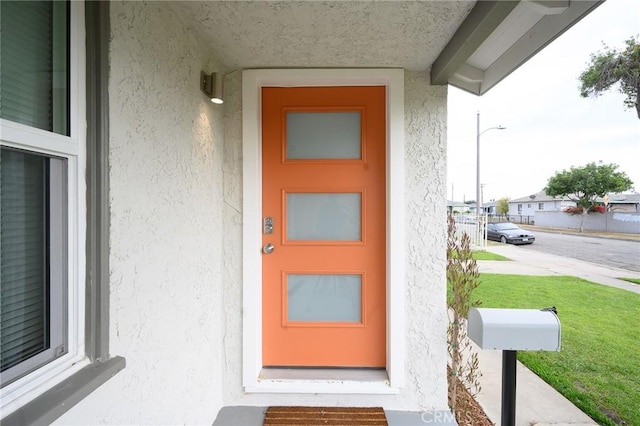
[[469, 44], [499, 36]]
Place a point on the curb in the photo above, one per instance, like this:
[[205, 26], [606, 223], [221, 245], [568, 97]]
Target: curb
[[568, 231]]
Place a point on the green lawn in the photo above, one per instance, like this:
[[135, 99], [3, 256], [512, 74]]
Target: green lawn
[[484, 255], [598, 368], [632, 280]]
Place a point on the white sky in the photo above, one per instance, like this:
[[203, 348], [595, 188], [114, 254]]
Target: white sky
[[549, 126]]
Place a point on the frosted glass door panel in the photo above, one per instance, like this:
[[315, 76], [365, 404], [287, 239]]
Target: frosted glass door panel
[[324, 298], [323, 136], [324, 216]]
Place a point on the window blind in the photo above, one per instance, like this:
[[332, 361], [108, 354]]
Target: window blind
[[34, 65], [24, 280], [33, 208]]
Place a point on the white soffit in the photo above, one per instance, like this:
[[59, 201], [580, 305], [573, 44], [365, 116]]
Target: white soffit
[[325, 34], [516, 25], [528, 28], [470, 44]]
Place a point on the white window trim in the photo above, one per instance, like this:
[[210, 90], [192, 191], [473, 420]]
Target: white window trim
[[72, 148], [252, 83]]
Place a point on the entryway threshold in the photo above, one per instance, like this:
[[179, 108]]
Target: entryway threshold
[[254, 416], [323, 380]]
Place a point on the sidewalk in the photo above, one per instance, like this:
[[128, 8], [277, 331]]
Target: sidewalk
[[531, 262], [537, 403]]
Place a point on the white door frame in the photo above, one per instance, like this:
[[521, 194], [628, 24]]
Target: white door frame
[[252, 83]]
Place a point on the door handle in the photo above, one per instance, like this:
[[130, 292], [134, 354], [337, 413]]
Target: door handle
[[268, 248]]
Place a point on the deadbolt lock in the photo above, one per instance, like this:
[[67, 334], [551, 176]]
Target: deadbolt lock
[[267, 225]]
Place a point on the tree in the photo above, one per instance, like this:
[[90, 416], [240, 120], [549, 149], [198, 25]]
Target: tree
[[610, 67], [503, 206], [585, 184]]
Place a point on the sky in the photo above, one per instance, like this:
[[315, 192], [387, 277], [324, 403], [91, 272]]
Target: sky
[[549, 126]]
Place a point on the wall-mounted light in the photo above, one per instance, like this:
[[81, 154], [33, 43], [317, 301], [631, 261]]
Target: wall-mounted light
[[211, 85]]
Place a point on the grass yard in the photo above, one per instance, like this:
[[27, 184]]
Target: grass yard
[[598, 368], [632, 280], [484, 255]]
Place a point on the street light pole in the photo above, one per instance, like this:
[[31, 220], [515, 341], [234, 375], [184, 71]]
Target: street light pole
[[478, 167], [478, 134]]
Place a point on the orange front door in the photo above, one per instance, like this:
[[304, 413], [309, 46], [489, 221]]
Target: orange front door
[[323, 191]]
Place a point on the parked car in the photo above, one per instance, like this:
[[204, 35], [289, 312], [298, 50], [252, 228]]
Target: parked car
[[510, 233]]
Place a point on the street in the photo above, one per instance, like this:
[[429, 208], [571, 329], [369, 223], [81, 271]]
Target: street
[[602, 251]]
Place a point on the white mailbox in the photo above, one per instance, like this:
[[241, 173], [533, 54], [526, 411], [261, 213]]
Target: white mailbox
[[514, 329]]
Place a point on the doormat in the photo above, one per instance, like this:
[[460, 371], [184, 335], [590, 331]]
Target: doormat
[[303, 416]]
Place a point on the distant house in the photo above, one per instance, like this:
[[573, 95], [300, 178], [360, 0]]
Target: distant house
[[455, 207], [540, 201], [487, 208], [490, 208], [624, 202]]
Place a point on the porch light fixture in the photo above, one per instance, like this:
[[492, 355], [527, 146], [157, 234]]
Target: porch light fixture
[[211, 85]]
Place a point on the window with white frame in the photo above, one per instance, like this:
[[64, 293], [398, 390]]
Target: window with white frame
[[540, 206], [54, 339], [34, 280], [41, 161], [519, 208]]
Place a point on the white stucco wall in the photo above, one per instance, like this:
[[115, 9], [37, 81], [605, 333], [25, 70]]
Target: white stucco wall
[[425, 192], [166, 227], [425, 149], [176, 237]]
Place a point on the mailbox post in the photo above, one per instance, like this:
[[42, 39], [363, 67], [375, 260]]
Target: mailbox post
[[509, 364], [511, 330]]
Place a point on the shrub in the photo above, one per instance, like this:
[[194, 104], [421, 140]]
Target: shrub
[[463, 279], [580, 210]]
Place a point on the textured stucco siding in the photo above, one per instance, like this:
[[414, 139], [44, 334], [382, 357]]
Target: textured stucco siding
[[425, 162], [166, 225], [425, 192], [176, 236], [343, 34]]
